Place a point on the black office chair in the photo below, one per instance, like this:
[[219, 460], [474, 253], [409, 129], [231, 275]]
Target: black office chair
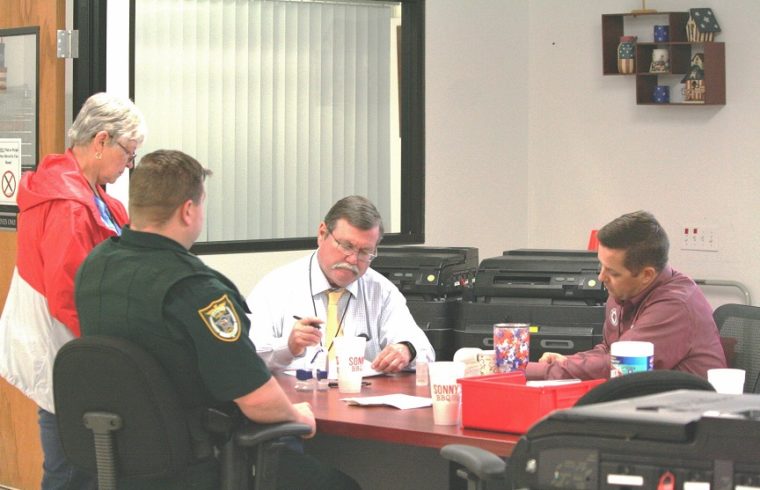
[[120, 417], [739, 327], [643, 383], [480, 468]]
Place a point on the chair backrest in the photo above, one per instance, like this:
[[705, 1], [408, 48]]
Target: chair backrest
[[113, 375], [479, 465], [739, 327], [643, 383]]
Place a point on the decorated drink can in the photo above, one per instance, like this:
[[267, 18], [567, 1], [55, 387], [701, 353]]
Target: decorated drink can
[[511, 343]]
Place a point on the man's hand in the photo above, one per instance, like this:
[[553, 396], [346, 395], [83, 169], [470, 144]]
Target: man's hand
[[392, 359], [306, 416], [305, 333], [550, 357]]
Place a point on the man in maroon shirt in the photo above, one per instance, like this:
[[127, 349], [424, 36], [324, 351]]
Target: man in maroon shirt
[[648, 301]]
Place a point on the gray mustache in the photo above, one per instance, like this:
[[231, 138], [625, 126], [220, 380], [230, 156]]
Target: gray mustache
[[347, 266]]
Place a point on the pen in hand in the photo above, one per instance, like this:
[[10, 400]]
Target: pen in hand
[[298, 318], [317, 326]]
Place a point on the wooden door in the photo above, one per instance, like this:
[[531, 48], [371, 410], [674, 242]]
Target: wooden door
[[20, 452]]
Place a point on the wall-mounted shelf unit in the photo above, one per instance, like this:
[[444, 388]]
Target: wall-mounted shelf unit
[[680, 52]]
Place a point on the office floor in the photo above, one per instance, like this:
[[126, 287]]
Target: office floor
[[380, 466]]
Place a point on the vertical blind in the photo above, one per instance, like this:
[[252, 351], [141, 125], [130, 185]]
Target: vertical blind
[[287, 102]]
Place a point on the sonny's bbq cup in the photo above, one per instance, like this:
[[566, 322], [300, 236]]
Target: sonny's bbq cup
[[444, 390], [349, 354]]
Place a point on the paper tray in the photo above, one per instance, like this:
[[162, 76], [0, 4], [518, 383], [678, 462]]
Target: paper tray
[[502, 402]]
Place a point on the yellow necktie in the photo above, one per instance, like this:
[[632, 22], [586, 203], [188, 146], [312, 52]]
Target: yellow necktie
[[333, 297]]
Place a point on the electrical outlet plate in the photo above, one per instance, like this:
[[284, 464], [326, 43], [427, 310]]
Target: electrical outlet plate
[[703, 238]]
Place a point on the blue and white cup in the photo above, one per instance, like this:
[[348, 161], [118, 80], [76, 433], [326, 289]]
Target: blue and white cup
[[661, 94], [661, 34], [630, 356]]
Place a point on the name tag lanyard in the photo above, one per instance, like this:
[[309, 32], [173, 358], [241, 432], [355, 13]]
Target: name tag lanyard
[[343, 316]]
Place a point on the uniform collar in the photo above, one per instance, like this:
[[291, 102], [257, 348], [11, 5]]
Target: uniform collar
[[150, 240]]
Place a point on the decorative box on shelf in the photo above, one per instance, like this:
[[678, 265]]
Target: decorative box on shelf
[[701, 26]]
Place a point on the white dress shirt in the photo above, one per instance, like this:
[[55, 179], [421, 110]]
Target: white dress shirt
[[375, 307]]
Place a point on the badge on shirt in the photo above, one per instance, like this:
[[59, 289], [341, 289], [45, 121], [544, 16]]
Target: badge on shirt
[[221, 318], [614, 317]]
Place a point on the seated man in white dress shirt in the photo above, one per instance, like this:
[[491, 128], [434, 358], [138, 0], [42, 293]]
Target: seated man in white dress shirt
[[290, 304]]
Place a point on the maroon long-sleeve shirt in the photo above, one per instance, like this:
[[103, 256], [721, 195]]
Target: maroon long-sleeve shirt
[[672, 313]]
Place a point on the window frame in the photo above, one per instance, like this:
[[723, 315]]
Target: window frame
[[90, 77]]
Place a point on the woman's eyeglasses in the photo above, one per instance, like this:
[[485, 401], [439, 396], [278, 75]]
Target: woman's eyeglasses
[[132, 156]]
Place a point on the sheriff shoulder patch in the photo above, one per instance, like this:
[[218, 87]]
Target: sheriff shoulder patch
[[221, 319]]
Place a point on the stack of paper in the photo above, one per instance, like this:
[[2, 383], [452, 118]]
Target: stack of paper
[[398, 400]]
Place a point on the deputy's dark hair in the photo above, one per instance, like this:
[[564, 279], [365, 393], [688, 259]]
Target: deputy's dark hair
[[641, 236], [358, 211], [162, 182]]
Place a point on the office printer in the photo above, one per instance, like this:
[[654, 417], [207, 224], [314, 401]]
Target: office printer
[[433, 280], [696, 439], [541, 276], [428, 273], [557, 292]]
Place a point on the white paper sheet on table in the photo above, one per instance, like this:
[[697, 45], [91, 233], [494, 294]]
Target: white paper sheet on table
[[397, 400], [367, 371]]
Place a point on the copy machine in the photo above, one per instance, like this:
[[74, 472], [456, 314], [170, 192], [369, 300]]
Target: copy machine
[[557, 292], [433, 280], [679, 439]]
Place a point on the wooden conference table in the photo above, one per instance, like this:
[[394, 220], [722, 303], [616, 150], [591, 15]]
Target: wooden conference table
[[383, 447], [367, 441], [412, 427]]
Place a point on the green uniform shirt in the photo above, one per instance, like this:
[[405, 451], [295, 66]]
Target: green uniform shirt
[[152, 291]]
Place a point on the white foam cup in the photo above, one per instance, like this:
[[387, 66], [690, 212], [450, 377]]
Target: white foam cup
[[349, 355], [728, 381], [445, 392]]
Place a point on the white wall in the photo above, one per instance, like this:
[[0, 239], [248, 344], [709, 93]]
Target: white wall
[[607, 156], [528, 145], [477, 98]]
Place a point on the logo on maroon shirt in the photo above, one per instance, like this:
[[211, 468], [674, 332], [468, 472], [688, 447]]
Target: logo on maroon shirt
[[614, 317]]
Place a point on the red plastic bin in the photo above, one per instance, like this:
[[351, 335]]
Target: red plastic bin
[[502, 402]]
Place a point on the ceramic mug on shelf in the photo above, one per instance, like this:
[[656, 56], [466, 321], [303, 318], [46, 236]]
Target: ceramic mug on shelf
[[660, 61], [661, 94], [661, 34]]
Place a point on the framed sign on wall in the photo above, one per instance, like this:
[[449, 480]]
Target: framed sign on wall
[[19, 114]]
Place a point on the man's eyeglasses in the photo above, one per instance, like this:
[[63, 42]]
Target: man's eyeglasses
[[348, 249], [132, 156]]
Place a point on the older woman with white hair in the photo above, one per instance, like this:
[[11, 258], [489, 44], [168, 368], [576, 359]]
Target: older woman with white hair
[[63, 213]]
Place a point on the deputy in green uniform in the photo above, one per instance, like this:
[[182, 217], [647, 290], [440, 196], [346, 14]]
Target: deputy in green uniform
[[146, 286]]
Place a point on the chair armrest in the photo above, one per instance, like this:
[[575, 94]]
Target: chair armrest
[[479, 462], [254, 434]]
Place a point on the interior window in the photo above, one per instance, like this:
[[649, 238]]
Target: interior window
[[292, 104]]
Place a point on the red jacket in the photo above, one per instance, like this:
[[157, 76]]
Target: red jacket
[[58, 225]]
